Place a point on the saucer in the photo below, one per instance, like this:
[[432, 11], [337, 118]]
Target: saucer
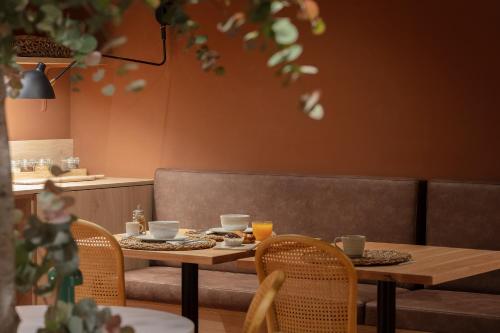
[[150, 238], [220, 230], [246, 247]]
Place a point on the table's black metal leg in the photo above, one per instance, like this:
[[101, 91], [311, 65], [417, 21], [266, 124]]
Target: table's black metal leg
[[386, 307], [190, 293]]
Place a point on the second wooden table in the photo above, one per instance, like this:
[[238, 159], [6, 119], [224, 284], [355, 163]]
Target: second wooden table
[[432, 265]]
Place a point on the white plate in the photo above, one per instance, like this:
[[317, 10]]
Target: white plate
[[247, 247], [150, 238], [220, 230]]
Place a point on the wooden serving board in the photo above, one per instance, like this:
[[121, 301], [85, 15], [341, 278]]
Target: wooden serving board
[[46, 174]]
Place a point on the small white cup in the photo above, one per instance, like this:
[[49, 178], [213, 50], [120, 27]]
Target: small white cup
[[133, 228], [353, 245], [234, 222]]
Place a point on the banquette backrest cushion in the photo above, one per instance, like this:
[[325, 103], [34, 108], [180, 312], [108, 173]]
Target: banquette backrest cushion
[[465, 215], [381, 209]]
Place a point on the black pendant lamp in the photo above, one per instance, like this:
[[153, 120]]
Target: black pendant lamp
[[36, 84]]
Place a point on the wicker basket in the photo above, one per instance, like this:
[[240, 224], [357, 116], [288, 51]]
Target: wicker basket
[[36, 46]]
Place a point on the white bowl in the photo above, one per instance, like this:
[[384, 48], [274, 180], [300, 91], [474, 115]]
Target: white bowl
[[233, 241], [163, 229], [234, 222]]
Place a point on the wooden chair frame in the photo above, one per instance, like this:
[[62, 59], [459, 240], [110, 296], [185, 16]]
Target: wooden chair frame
[[262, 301]]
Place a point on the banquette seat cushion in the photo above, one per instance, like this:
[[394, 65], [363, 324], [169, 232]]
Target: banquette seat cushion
[[462, 215], [325, 207], [217, 289], [443, 311]]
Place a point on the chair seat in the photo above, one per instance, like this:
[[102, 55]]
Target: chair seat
[[217, 289], [444, 311]]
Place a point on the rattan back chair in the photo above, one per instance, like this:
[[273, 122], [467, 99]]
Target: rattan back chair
[[320, 290], [262, 301], [101, 263]]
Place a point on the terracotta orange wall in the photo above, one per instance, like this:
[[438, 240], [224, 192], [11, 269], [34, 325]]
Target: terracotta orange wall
[[28, 120], [410, 89]]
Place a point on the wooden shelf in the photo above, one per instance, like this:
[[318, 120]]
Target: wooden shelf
[[50, 62]]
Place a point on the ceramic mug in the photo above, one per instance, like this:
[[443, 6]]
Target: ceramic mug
[[353, 245], [133, 228]]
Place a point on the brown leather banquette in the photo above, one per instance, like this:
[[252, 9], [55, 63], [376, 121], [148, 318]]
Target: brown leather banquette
[[381, 209], [462, 215]]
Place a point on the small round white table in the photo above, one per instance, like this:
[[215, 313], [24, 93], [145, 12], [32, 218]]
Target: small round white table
[[142, 320]]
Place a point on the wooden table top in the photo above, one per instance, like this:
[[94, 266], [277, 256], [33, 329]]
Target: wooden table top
[[432, 264], [203, 257]]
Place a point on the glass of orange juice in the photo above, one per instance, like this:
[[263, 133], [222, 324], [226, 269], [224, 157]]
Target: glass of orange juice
[[262, 229]]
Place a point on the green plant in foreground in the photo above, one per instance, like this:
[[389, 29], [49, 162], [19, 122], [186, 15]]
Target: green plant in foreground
[[52, 235], [82, 317]]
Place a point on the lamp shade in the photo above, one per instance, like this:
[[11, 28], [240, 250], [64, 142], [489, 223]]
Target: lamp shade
[[36, 85]]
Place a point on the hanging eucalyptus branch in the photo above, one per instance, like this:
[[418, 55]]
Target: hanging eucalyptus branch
[[263, 25]]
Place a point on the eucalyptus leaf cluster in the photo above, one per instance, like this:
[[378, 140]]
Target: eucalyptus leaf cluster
[[80, 25], [271, 28], [59, 248], [46, 251], [75, 24], [83, 317]]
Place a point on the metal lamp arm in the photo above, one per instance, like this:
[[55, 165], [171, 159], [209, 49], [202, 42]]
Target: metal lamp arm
[[163, 30]]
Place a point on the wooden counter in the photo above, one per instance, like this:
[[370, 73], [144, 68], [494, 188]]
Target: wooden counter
[[108, 202], [108, 182]]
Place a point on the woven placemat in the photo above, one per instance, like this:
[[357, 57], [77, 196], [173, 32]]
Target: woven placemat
[[381, 257], [215, 237], [134, 243]]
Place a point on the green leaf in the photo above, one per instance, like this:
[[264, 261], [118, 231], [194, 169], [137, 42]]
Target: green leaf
[[125, 68], [276, 6], [108, 90], [308, 69], [98, 75], [318, 26], [75, 324], [153, 3], [93, 58], [21, 4], [112, 43], [219, 70], [88, 44], [317, 112], [52, 12], [136, 85], [285, 32], [294, 52], [311, 105], [251, 35], [288, 54], [200, 39]]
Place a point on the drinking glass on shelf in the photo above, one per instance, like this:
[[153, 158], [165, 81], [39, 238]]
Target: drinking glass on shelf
[[262, 229]]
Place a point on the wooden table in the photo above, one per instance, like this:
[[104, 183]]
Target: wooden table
[[432, 265], [142, 320], [189, 266]]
